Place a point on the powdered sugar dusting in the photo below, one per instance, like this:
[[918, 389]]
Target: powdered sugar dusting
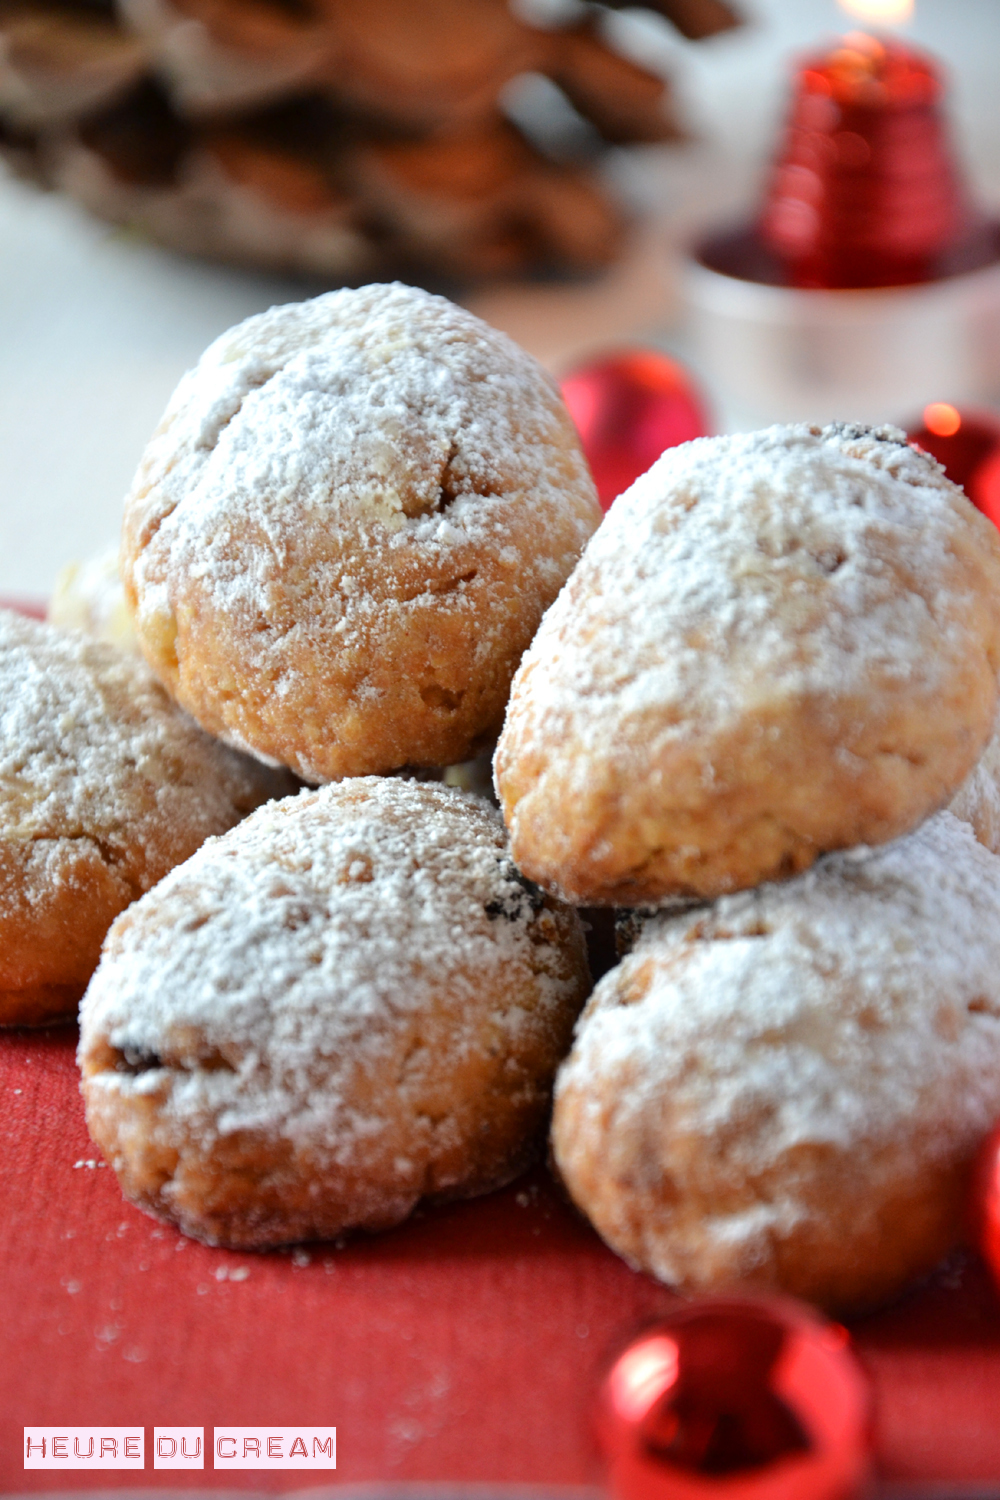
[[355, 401], [680, 596], [331, 464], [855, 1007], [91, 748], [797, 581], [263, 982]]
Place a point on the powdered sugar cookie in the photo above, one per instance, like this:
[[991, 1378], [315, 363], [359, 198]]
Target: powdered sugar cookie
[[777, 644], [349, 1003], [345, 531], [788, 1088], [104, 786]]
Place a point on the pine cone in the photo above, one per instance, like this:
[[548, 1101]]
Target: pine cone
[[324, 137]]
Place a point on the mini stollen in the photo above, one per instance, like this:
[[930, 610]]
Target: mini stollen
[[787, 1088], [778, 643], [347, 527], [105, 785], [351, 1003]]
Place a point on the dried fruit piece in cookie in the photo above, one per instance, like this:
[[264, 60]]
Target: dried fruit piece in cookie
[[351, 1002], [347, 527], [105, 785], [788, 1088], [777, 644]]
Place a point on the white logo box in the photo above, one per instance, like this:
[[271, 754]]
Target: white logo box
[[178, 1447], [84, 1447], [275, 1447]]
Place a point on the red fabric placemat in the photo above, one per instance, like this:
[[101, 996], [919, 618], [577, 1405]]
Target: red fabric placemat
[[463, 1346]]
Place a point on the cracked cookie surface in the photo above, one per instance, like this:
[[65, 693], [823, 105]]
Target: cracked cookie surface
[[788, 1088], [778, 643], [347, 527], [105, 785], [350, 1003]]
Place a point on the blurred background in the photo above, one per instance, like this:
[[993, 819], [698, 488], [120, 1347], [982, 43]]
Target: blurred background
[[172, 166]]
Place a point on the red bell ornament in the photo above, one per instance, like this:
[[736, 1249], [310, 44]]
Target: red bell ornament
[[736, 1398], [865, 190], [628, 407]]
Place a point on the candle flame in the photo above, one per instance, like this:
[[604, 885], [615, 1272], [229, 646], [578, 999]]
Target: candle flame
[[858, 58], [880, 12]]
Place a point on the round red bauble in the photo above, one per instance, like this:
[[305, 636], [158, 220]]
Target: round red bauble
[[967, 443], [986, 489], [984, 1202], [758, 1398], [628, 407]]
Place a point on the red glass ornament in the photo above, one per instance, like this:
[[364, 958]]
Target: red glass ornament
[[758, 1398], [985, 491], [865, 190], [984, 1202], [967, 443], [628, 407]]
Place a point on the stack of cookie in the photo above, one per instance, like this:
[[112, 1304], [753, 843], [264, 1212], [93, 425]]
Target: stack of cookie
[[752, 693], [339, 544], [775, 664]]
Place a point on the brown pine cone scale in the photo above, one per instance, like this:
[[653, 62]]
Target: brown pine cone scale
[[329, 139]]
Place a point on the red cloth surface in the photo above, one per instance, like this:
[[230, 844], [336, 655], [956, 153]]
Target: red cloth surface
[[465, 1345]]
